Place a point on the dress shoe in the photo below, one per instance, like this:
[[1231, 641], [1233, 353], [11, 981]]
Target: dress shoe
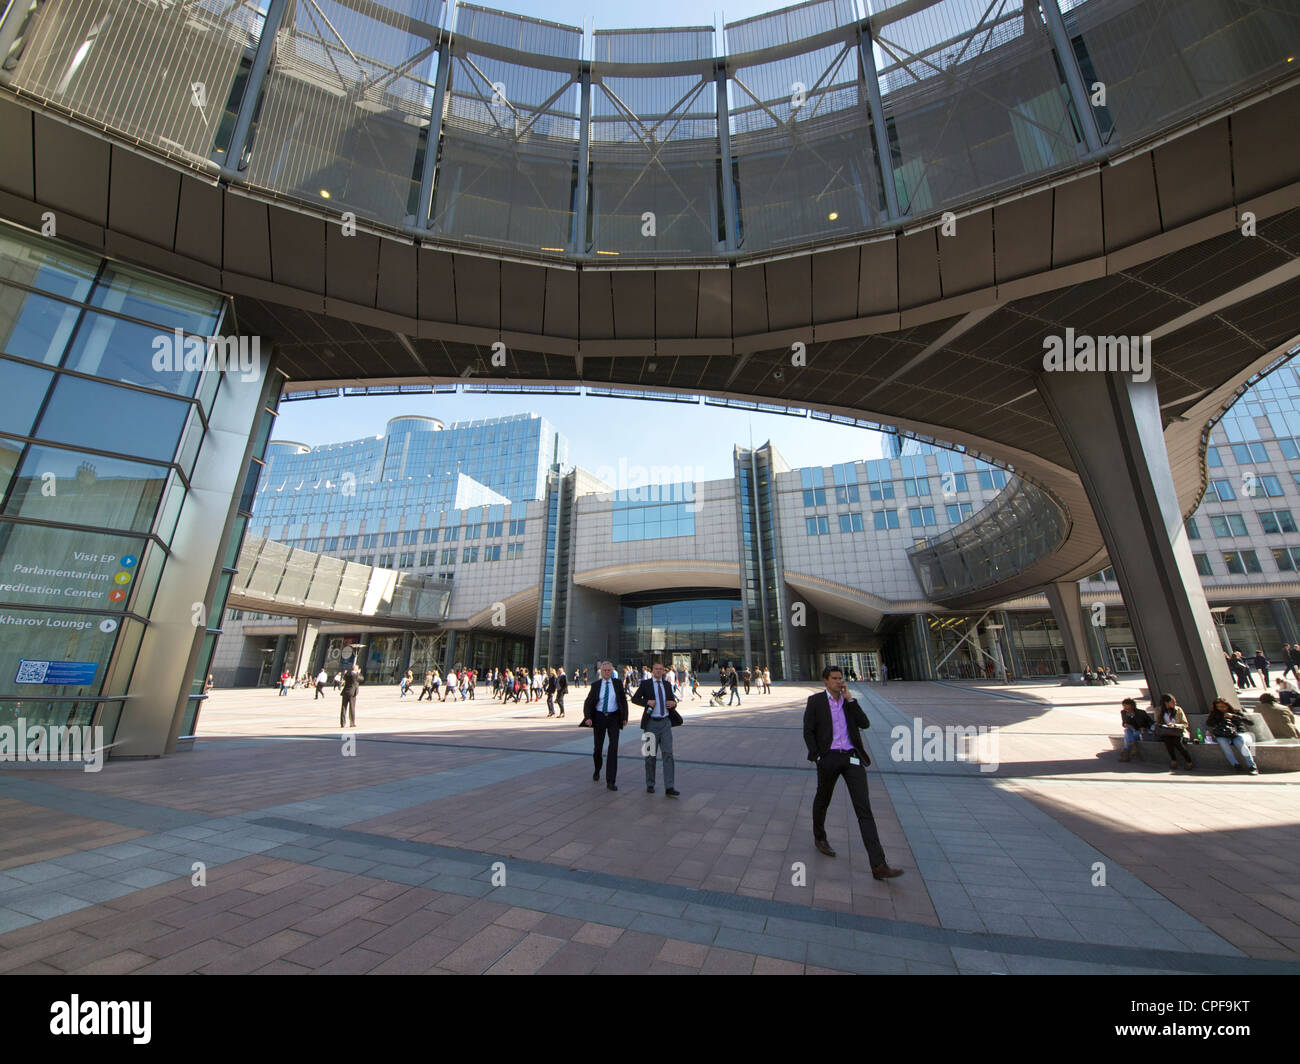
[[611, 787], [885, 872], [824, 847], [650, 788], [595, 776], [672, 793]]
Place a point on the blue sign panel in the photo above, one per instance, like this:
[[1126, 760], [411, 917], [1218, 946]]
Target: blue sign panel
[[71, 673]]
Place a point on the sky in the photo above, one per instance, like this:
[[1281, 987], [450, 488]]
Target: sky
[[601, 431]]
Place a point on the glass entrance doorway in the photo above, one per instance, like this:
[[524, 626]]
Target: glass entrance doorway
[[1125, 659], [859, 666]]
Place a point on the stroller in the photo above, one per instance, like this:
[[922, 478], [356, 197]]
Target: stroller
[[716, 699]]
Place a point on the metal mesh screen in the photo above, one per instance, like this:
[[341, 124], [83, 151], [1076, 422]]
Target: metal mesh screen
[[1160, 60], [654, 151], [161, 73], [789, 24], [347, 104], [508, 167], [973, 99], [801, 132], [518, 32], [668, 45]]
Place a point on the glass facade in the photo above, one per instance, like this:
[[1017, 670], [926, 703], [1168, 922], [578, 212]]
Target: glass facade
[[707, 623], [100, 428]]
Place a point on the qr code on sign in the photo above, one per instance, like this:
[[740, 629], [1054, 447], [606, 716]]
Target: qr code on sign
[[32, 671]]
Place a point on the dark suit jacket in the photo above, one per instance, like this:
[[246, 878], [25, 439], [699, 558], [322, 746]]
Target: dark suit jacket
[[590, 704], [645, 698], [819, 730]]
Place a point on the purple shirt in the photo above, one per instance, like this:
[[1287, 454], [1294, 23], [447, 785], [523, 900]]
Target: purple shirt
[[839, 725]]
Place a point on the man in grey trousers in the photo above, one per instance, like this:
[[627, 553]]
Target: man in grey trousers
[[655, 697]]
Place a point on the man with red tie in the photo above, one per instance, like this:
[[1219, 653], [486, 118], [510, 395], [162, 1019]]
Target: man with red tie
[[830, 730]]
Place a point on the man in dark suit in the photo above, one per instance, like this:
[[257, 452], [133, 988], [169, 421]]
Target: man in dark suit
[[655, 696], [830, 730], [606, 708], [561, 688]]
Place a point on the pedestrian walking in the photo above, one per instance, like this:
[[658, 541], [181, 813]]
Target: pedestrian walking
[[348, 707], [832, 721], [561, 688], [322, 678], [605, 712], [658, 701]]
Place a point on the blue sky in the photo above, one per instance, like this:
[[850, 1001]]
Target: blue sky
[[601, 431]]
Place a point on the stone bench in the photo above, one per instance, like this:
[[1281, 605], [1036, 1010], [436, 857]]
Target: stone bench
[[1275, 755]]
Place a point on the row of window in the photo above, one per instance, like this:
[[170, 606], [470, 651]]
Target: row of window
[[913, 487], [1244, 453], [371, 540], [1243, 562], [1252, 486], [1271, 522], [917, 517]]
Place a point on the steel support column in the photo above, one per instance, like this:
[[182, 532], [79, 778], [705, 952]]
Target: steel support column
[[253, 88], [428, 175], [878, 128], [730, 216], [1073, 75], [580, 236], [1114, 432]]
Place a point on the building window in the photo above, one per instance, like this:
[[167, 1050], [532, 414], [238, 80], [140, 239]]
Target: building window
[[406, 560], [1222, 490], [371, 540], [513, 551], [950, 483], [1274, 522], [448, 556], [880, 490], [959, 511], [350, 542], [390, 539], [1290, 450], [1212, 458], [916, 486], [430, 535], [814, 497], [920, 516], [428, 557], [1241, 562], [451, 534], [1287, 558], [992, 478], [517, 527], [385, 561], [847, 493], [1203, 564], [1225, 525], [1268, 486], [492, 554], [410, 538], [1193, 532], [1104, 577], [884, 519], [473, 531], [817, 526], [469, 555], [493, 529], [850, 522], [1245, 453]]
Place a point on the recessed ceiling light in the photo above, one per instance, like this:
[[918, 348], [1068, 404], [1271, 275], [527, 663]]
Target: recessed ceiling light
[[833, 216], [324, 193]]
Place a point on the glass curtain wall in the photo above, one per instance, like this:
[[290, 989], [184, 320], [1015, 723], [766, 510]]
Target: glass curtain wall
[[104, 410]]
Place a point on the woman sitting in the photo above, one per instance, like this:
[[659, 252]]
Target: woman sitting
[[1171, 729], [1137, 722], [1228, 728]]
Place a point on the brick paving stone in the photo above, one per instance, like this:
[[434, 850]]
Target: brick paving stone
[[482, 950], [687, 954], [419, 957], [528, 956], [727, 962], [573, 958], [595, 934]]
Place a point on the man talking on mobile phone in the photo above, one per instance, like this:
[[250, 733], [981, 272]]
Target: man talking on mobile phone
[[831, 723]]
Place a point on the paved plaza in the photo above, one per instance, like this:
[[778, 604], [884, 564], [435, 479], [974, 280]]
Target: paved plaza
[[469, 837]]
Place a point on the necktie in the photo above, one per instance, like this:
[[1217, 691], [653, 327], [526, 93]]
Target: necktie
[[604, 699], [659, 699]]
